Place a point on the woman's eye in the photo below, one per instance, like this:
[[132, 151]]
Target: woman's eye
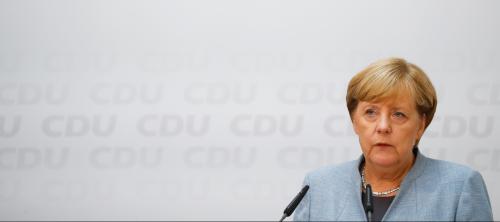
[[370, 112], [399, 114]]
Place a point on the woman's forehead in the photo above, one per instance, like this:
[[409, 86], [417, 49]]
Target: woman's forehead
[[380, 90], [403, 100]]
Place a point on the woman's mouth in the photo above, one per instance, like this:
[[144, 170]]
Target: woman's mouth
[[383, 145]]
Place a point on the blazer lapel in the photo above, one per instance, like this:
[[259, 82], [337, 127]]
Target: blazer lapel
[[405, 203], [352, 206]]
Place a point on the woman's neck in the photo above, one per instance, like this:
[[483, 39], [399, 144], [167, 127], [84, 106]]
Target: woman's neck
[[386, 178]]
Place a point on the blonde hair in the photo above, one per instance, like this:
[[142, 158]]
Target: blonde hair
[[388, 77]]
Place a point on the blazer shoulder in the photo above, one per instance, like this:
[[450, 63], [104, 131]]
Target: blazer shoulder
[[465, 188], [449, 171], [332, 172]]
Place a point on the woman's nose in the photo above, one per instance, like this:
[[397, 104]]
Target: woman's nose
[[384, 125]]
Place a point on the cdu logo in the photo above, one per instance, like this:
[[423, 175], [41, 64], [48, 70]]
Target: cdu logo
[[29, 94], [309, 93], [122, 93], [458, 126], [25, 158], [78, 62], [260, 125], [9, 126], [485, 159], [220, 93], [174, 61], [220, 157], [338, 125], [77, 189], [259, 62], [126, 157], [485, 94], [79, 125], [172, 125]]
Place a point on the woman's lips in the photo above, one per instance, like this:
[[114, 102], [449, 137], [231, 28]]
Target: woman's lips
[[383, 145]]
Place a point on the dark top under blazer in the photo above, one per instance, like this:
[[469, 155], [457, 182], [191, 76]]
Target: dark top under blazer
[[432, 190]]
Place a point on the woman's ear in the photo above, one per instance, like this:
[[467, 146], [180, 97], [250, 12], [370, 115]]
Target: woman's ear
[[354, 125], [421, 127]]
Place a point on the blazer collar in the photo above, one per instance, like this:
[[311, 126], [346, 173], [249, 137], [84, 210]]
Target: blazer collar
[[407, 202], [415, 171]]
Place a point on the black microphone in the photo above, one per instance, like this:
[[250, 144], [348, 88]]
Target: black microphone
[[295, 202], [369, 202]]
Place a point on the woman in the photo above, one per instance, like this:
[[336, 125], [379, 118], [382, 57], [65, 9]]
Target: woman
[[391, 103]]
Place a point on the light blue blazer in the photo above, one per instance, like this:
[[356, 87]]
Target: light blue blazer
[[432, 190]]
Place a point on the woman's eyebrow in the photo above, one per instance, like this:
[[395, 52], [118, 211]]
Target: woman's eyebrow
[[374, 105], [401, 108]]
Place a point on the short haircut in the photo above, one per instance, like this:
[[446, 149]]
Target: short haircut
[[387, 78]]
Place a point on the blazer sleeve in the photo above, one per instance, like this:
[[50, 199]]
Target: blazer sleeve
[[302, 213], [474, 203]]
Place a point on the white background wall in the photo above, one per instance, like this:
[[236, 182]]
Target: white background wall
[[192, 110]]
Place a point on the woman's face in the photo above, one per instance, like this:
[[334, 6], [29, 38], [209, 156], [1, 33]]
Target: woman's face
[[388, 130]]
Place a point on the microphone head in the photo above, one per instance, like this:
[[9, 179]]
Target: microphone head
[[295, 202]]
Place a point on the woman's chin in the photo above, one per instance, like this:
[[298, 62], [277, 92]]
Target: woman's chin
[[384, 161]]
